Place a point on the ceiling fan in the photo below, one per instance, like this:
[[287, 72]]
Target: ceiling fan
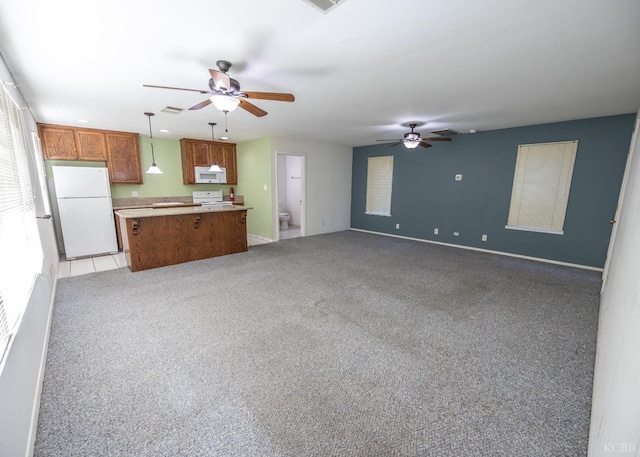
[[412, 139], [224, 92]]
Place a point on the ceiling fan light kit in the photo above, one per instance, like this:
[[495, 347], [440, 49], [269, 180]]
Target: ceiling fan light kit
[[412, 139], [225, 102]]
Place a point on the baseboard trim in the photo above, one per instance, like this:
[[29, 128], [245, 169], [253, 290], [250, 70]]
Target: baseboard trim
[[488, 251], [256, 239], [43, 362]]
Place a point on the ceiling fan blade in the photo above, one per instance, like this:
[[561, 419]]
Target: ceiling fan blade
[[276, 96], [394, 144], [425, 145], [220, 79], [177, 88], [391, 140], [202, 104], [253, 109], [438, 138]]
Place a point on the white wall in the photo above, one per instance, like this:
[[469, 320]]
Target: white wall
[[327, 189], [615, 415], [22, 368]]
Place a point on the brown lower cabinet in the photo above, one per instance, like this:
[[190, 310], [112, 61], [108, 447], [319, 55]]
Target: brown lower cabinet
[[157, 241]]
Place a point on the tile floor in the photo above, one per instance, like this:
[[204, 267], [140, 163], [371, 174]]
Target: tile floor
[[111, 262], [291, 232], [90, 265]]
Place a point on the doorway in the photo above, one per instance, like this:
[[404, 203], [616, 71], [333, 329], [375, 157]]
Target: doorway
[[290, 177]]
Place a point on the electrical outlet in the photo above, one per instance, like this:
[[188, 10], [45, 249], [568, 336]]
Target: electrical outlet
[[265, 187], [397, 226], [456, 233], [484, 237], [435, 231], [134, 193], [458, 177]]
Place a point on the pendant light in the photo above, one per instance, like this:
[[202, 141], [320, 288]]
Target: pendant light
[[214, 168], [153, 169]]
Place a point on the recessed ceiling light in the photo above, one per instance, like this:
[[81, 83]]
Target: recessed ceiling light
[[164, 130], [224, 137], [84, 121]]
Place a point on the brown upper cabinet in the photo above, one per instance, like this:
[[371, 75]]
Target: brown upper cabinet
[[92, 145], [120, 150], [201, 153], [123, 158], [58, 142]]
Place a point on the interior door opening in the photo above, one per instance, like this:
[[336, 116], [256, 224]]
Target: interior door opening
[[290, 178]]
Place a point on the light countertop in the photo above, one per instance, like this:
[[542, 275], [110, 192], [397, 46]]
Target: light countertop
[[176, 210]]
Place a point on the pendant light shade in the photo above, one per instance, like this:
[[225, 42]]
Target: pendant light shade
[[214, 168], [153, 169]]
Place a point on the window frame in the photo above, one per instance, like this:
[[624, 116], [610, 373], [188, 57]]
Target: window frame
[[379, 192], [541, 168], [17, 221]]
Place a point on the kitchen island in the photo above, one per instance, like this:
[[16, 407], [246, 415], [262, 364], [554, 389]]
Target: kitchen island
[[158, 237]]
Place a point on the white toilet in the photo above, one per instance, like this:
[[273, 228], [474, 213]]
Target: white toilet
[[283, 217]]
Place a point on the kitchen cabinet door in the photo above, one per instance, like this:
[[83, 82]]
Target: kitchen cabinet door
[[229, 162], [201, 154], [194, 153], [58, 143], [123, 158], [92, 145]]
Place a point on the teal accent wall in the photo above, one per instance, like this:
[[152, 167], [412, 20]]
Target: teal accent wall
[[426, 196], [254, 172]]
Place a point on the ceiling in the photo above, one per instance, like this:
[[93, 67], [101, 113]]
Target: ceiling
[[360, 72]]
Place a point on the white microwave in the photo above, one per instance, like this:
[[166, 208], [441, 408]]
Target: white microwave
[[204, 176]]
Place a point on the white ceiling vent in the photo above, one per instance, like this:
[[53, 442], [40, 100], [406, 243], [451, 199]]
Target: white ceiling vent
[[171, 110], [324, 5]]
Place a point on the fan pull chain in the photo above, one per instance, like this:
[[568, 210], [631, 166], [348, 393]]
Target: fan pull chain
[[225, 121]]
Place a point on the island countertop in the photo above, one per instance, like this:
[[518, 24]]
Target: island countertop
[[157, 237], [176, 210]]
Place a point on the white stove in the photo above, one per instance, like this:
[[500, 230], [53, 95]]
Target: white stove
[[210, 198]]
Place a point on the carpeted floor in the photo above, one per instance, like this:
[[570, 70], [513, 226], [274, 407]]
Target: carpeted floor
[[346, 344]]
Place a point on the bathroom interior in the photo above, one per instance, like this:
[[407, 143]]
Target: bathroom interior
[[290, 169]]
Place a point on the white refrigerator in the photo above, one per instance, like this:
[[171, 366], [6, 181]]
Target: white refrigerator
[[86, 215]]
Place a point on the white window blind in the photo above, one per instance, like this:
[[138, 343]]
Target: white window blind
[[20, 247], [379, 184], [541, 186]]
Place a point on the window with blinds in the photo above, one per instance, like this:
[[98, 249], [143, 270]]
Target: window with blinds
[[21, 258], [379, 184], [541, 185]]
